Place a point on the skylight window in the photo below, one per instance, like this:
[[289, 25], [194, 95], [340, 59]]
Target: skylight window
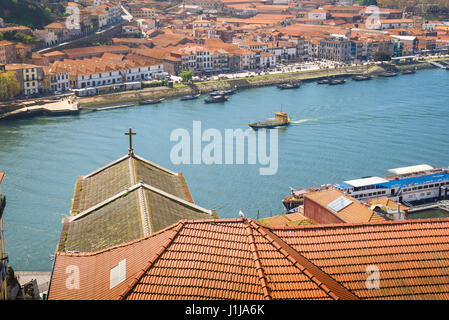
[[339, 204], [118, 274]]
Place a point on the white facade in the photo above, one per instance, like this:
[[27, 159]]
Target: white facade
[[267, 60]]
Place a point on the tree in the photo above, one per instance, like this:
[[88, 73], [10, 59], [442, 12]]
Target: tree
[[1, 36], [382, 56], [9, 85], [186, 75]]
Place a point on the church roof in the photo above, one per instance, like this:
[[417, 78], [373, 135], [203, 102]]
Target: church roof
[[131, 214], [123, 173], [123, 201]]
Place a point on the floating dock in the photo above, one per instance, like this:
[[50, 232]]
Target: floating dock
[[442, 205]]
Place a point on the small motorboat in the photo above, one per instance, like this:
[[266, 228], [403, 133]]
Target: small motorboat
[[291, 85], [216, 93], [216, 99], [281, 119], [362, 77], [324, 81], [337, 81], [150, 101], [192, 97], [388, 74]]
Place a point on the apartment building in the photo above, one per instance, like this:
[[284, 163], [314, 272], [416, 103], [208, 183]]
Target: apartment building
[[285, 51], [335, 49], [29, 77], [7, 52], [267, 60], [55, 79], [194, 57]]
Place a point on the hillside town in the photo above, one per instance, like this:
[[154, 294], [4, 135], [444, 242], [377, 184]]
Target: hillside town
[[106, 42]]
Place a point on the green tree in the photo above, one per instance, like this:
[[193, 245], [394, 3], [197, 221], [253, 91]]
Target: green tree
[[382, 56], [9, 85], [186, 75], [1, 36]]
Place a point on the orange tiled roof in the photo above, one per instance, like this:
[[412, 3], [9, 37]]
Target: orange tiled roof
[[242, 259], [2, 174], [355, 212]]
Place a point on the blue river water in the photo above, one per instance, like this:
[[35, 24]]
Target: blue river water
[[338, 133]]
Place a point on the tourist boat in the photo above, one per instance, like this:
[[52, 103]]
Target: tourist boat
[[409, 186], [222, 93], [362, 77], [291, 85], [337, 81], [150, 101], [192, 97], [281, 119], [216, 99], [324, 81], [388, 74]]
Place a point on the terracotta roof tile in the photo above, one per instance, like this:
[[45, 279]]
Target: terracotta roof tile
[[241, 259]]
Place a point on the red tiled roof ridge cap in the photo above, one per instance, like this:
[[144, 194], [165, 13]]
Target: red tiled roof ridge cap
[[357, 224], [322, 279]]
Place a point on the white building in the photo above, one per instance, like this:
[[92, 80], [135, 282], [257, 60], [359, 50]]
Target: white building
[[267, 60]]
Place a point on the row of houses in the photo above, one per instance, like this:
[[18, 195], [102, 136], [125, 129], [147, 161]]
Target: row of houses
[[66, 74]]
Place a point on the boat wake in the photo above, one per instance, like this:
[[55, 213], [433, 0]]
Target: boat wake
[[303, 120]]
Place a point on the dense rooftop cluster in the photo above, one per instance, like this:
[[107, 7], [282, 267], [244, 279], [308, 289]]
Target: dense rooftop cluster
[[211, 37]]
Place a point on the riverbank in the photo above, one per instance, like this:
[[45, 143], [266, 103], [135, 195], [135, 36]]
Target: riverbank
[[129, 98]]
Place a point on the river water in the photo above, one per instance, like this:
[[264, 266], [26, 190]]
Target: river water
[[338, 133]]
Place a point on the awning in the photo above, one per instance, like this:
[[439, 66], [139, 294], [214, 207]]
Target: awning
[[411, 169], [366, 181]]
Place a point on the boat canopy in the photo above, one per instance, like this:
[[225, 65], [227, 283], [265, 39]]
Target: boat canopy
[[366, 181], [411, 169]]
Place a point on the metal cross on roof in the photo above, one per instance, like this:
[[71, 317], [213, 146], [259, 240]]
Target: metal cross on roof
[[130, 134]]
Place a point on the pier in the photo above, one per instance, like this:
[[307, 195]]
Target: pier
[[442, 205], [443, 64], [66, 106]]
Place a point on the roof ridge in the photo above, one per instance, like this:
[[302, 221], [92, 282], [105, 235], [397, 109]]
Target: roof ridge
[[256, 258], [136, 157], [324, 281], [107, 166], [164, 247], [358, 224]]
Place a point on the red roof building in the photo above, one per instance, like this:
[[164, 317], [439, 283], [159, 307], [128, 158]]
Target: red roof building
[[242, 259]]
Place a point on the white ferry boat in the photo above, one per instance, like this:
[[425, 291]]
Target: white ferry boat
[[410, 186]]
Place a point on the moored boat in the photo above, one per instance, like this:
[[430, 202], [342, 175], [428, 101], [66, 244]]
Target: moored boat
[[388, 74], [337, 82], [291, 85], [324, 81], [192, 97], [281, 119], [413, 71], [216, 99], [150, 101], [362, 77], [410, 186]]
